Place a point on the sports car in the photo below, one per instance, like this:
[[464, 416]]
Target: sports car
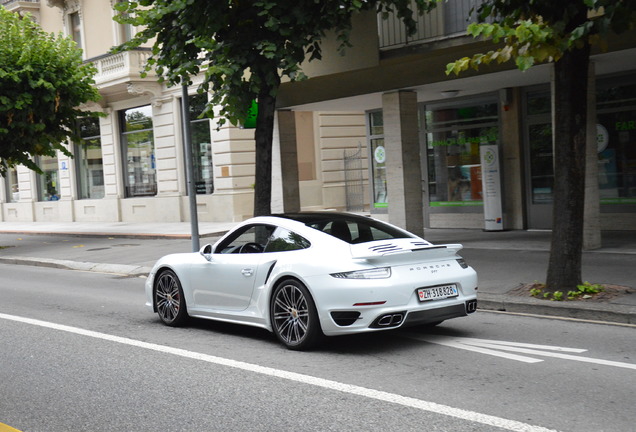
[[306, 275]]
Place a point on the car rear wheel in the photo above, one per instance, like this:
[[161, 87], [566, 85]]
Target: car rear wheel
[[294, 317], [169, 299]]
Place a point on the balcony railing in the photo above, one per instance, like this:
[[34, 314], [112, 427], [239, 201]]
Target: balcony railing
[[5, 3], [20, 6], [112, 68], [447, 20]]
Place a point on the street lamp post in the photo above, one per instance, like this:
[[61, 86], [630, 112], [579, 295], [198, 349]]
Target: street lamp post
[[187, 144]]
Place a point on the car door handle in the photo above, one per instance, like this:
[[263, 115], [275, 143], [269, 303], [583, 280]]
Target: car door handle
[[247, 272]]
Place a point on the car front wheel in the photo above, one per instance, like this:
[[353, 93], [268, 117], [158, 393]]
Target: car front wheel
[[294, 317], [169, 299]]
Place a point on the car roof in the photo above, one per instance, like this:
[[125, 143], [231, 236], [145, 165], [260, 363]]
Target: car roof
[[322, 216]]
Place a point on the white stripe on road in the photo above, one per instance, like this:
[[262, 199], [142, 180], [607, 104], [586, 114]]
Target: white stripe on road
[[455, 343], [495, 348], [432, 407]]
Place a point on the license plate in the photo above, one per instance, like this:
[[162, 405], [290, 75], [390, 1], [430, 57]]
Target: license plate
[[437, 293]]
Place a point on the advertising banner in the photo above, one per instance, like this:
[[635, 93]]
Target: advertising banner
[[491, 187]]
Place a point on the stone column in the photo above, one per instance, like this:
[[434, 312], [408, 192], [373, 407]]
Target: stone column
[[510, 139], [288, 156], [404, 174], [592, 212]]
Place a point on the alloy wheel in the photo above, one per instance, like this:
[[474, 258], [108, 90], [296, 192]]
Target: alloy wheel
[[169, 298], [294, 318]]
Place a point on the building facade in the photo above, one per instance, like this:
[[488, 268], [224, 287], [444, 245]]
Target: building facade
[[380, 129], [132, 167], [463, 122]]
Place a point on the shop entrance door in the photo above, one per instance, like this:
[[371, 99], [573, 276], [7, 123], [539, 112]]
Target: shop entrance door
[[539, 172]]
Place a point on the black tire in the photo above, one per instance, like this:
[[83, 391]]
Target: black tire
[[169, 300], [293, 316]]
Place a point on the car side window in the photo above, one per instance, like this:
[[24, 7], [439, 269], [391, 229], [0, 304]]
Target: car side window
[[249, 239], [284, 240], [353, 232]]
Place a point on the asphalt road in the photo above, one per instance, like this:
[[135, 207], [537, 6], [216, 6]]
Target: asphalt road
[[95, 359]]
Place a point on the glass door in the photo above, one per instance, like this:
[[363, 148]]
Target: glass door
[[540, 175], [539, 170]]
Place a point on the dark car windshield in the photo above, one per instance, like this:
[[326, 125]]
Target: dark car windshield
[[349, 228]]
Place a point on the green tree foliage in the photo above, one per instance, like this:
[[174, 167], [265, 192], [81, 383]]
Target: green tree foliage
[[244, 48], [42, 83], [542, 31], [562, 32]]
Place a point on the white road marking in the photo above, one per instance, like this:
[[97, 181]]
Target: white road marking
[[500, 348], [471, 416]]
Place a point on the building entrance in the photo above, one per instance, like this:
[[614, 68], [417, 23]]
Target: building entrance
[[539, 173]]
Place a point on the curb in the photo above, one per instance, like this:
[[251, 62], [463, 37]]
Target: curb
[[607, 312], [118, 269], [145, 236]]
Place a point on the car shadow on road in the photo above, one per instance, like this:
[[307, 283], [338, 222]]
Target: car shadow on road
[[387, 341], [357, 344]]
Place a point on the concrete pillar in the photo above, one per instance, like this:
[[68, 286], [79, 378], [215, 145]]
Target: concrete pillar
[[592, 212], [288, 154], [4, 192], [510, 139], [426, 193], [404, 174]]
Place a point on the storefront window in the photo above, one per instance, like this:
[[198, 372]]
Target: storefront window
[[540, 146], [616, 142], [378, 159], [49, 180], [201, 145], [454, 135], [541, 165], [12, 188], [138, 151], [90, 167]]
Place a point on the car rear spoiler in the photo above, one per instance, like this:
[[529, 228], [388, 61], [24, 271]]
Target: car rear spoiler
[[403, 250]]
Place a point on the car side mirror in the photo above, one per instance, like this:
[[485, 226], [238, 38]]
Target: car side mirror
[[206, 252]]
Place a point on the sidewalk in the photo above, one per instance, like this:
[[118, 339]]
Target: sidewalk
[[177, 230], [503, 260]]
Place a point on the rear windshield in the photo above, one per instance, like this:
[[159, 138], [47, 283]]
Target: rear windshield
[[351, 229]]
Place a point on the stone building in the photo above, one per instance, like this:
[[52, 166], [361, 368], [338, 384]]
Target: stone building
[[381, 129]]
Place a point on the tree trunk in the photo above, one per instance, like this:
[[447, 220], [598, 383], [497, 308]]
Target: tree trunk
[[570, 93], [264, 136]]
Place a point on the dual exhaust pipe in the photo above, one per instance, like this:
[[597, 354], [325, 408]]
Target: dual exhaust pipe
[[471, 306], [390, 320]]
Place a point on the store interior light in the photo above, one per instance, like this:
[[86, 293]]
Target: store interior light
[[450, 93]]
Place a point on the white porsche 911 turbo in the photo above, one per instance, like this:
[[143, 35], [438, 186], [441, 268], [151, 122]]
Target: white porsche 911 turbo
[[306, 275]]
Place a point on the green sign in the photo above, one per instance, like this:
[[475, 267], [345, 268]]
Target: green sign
[[455, 203], [250, 120]]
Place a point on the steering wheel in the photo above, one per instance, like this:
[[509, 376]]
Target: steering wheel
[[251, 248]]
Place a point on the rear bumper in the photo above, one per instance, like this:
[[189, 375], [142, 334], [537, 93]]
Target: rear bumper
[[383, 318], [351, 306], [440, 314]]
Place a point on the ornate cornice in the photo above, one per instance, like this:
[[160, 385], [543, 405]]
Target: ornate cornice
[[68, 6], [93, 106], [56, 3], [154, 90]]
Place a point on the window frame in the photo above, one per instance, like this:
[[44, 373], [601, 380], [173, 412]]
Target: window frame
[[125, 146], [80, 151], [42, 195]]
